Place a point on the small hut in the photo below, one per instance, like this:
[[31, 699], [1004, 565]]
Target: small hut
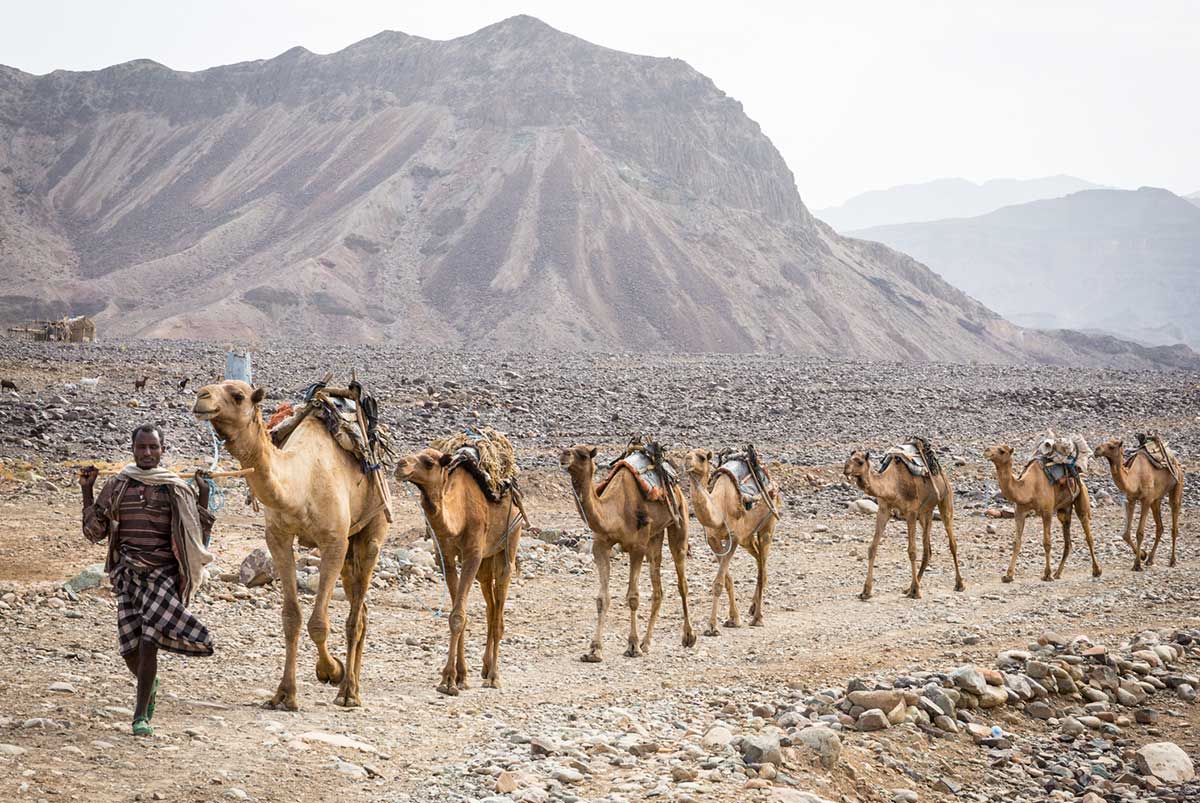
[[80, 329]]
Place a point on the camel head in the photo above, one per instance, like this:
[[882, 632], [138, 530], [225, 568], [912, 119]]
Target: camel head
[[1110, 448], [578, 460], [425, 469], [698, 463], [857, 466], [999, 454], [229, 406]]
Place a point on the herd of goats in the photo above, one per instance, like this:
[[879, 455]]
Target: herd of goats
[[315, 493]]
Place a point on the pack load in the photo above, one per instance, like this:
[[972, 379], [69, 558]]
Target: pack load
[[916, 455], [1156, 451], [487, 454], [1063, 458], [749, 476], [351, 417], [656, 477]]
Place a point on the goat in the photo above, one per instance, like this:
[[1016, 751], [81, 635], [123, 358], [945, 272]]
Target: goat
[[140, 384], [7, 384]]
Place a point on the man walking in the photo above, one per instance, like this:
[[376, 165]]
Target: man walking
[[156, 526]]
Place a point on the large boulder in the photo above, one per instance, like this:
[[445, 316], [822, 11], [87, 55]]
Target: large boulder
[[968, 678], [761, 748], [1166, 761], [883, 699], [824, 742], [90, 577]]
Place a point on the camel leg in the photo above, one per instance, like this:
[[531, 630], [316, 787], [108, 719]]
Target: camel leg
[[636, 556], [1140, 536], [501, 576], [926, 546], [1083, 509], [722, 581], [284, 558], [756, 610], [602, 557], [1156, 509], [677, 540], [735, 618], [1047, 575], [656, 592], [914, 590], [487, 587], [454, 673], [1127, 535], [329, 669], [881, 520], [946, 506], [1064, 520], [356, 580], [1176, 504], [1018, 534]]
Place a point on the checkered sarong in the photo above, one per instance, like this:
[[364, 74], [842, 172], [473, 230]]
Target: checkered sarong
[[149, 609]]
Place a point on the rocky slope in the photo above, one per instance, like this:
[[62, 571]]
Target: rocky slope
[[944, 198], [516, 188], [1126, 262]]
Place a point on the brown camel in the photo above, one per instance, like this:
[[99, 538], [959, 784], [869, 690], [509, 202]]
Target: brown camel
[[912, 498], [623, 516], [728, 525], [1032, 492], [1144, 482], [315, 492], [477, 533]]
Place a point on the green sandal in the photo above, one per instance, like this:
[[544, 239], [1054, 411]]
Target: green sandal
[[141, 727], [153, 700]]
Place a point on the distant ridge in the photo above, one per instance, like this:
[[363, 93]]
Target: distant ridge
[[1120, 261], [944, 198]]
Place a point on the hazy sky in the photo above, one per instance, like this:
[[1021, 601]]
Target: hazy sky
[[857, 95]]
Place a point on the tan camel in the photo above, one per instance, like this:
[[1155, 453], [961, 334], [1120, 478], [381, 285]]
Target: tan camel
[[314, 492], [728, 525], [480, 535], [912, 498], [1032, 492], [1144, 482], [624, 517]]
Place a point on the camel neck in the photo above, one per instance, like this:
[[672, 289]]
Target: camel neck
[[595, 512], [1119, 475], [1012, 488], [252, 448], [706, 509], [442, 518]]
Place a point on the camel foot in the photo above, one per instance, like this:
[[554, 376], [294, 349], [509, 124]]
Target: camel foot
[[347, 700], [960, 586], [712, 631], [913, 593], [1172, 563], [689, 638], [331, 675], [757, 622], [1137, 567], [282, 701], [1058, 575], [646, 646], [1150, 560], [633, 650], [1097, 571], [865, 595], [448, 689], [732, 623], [491, 683], [593, 657], [1008, 578], [1047, 577]]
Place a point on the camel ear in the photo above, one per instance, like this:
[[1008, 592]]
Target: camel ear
[[709, 455], [444, 460], [592, 452], [257, 396], [867, 455]]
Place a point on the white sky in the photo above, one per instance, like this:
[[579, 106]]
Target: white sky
[[857, 95]]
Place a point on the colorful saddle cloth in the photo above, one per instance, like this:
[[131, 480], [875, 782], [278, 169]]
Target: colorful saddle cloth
[[748, 475], [652, 481], [1156, 451]]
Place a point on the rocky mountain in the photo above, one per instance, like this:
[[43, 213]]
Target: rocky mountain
[[944, 198], [1125, 262], [517, 188]]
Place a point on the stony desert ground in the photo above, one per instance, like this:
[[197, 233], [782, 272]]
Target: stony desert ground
[[1077, 675]]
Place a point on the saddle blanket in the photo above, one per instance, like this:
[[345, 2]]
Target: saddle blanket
[[651, 482], [738, 469], [909, 455]]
